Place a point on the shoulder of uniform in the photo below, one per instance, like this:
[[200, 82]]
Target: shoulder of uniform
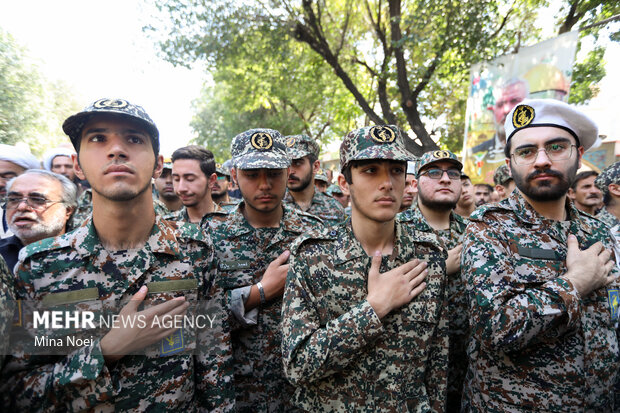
[[487, 209], [314, 234], [46, 245], [306, 217], [334, 203], [189, 231]]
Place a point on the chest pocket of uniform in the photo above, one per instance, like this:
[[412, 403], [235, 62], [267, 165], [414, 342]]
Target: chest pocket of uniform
[[537, 265], [235, 273], [169, 289]]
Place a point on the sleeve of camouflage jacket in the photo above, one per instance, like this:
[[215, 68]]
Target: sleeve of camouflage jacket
[[506, 313], [312, 350]]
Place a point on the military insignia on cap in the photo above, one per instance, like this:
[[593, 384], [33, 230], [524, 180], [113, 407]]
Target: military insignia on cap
[[522, 116], [111, 103], [261, 141], [290, 142], [218, 165], [441, 154], [382, 134]]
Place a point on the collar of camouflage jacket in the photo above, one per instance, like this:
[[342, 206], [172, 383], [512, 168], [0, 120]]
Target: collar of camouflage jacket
[[162, 239], [527, 214], [351, 249], [237, 225]]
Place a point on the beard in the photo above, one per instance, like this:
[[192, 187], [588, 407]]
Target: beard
[[545, 191], [303, 182], [442, 206], [40, 229]]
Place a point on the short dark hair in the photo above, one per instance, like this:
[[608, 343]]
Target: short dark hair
[[581, 176], [487, 186], [346, 172], [203, 156]]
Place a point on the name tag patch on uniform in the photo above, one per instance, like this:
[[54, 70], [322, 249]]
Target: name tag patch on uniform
[[235, 265], [613, 295], [172, 344], [538, 253]]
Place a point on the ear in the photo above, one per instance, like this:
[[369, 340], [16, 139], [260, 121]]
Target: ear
[[571, 193], [212, 179], [316, 166], [159, 166], [68, 212], [77, 168], [501, 191], [414, 184], [614, 189], [344, 186], [233, 176], [580, 151]]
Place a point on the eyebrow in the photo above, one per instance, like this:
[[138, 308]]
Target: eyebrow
[[14, 193], [550, 141]]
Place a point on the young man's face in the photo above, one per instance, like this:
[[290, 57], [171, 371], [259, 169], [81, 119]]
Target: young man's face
[[164, 185], [466, 199], [190, 183], [482, 195], [63, 165], [586, 193], [262, 189], [376, 189], [301, 174], [544, 179], [116, 157], [220, 185], [410, 192], [441, 194]]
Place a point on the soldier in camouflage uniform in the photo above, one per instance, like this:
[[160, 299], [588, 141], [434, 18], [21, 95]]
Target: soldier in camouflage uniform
[[302, 193], [7, 299], [320, 181], [609, 184], [543, 291], [504, 184], [364, 318], [219, 190], [164, 196], [335, 192], [124, 251], [438, 184], [193, 174], [251, 252]]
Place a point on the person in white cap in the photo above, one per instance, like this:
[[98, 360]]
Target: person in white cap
[[13, 162], [543, 291], [58, 160]]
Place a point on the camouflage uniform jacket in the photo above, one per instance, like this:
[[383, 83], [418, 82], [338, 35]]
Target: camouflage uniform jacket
[[252, 354], [457, 301], [81, 380], [536, 344], [340, 356], [607, 217], [7, 299], [322, 206], [218, 214]]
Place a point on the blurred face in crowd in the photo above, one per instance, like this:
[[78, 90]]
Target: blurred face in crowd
[[42, 214], [220, 186], [482, 194], [439, 194], [190, 183], [301, 174], [511, 96], [544, 179], [410, 192], [586, 195], [466, 199], [117, 158], [342, 198], [321, 186], [506, 189], [164, 185], [8, 171], [63, 165], [376, 189], [262, 189]]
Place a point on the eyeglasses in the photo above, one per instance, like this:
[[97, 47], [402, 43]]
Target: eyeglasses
[[37, 203], [436, 173], [557, 151]]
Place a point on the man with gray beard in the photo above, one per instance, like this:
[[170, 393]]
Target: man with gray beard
[[38, 205]]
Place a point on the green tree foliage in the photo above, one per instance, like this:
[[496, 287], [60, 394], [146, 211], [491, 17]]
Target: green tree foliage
[[32, 108], [339, 64]]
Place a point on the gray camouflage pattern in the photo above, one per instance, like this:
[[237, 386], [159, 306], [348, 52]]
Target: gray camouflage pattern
[[501, 175], [339, 355], [299, 146], [373, 142], [607, 218], [323, 206], [431, 157], [259, 148]]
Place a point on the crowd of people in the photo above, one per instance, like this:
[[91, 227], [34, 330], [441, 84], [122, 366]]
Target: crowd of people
[[400, 286]]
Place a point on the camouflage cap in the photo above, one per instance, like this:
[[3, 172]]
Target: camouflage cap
[[373, 142], [411, 167], [432, 157], [167, 163], [74, 124], [321, 175], [299, 146], [259, 148], [333, 189], [501, 175], [609, 175], [222, 169]]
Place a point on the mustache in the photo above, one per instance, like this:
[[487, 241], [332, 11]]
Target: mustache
[[549, 172], [293, 178]]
